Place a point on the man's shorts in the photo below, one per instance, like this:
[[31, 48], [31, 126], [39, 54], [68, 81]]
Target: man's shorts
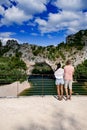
[[68, 83], [59, 81]]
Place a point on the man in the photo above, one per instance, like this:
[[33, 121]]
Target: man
[[68, 77]]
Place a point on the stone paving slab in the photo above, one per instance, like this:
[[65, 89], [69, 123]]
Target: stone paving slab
[[43, 113]]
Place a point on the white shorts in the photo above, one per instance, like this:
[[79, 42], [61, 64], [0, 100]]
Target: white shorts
[[59, 81], [68, 83]]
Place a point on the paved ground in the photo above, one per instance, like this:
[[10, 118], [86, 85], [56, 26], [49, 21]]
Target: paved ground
[[43, 113]]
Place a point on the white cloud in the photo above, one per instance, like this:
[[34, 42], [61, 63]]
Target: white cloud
[[70, 18], [7, 3], [32, 6], [1, 10], [14, 15], [31, 24], [6, 34], [49, 36], [41, 22], [56, 21], [34, 34], [71, 21], [73, 5], [4, 40], [23, 11], [22, 31]]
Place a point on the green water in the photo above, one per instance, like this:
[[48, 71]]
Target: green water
[[46, 86]]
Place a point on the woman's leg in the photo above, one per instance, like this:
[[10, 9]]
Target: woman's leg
[[58, 91], [61, 91]]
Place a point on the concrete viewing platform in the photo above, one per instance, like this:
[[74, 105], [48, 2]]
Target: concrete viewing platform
[[43, 113]]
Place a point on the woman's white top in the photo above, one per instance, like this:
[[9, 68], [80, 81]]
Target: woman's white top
[[59, 73]]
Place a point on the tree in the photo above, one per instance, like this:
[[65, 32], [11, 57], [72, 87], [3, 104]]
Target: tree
[[0, 43], [42, 68], [12, 69], [81, 71]]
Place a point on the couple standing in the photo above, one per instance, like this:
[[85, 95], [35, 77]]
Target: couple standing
[[64, 77]]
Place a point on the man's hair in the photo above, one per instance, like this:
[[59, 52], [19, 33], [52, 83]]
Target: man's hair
[[68, 62]]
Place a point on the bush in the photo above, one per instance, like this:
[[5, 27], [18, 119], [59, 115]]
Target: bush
[[81, 71], [42, 68], [12, 69]]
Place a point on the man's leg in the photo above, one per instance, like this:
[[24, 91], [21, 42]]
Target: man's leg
[[66, 89], [70, 89]]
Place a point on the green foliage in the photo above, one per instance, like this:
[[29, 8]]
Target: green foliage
[[12, 69], [36, 52], [61, 45], [4, 50], [18, 54], [42, 68], [81, 71], [39, 50], [77, 40], [0, 43], [62, 55], [17, 63]]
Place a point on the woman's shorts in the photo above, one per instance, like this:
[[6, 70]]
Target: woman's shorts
[[59, 81]]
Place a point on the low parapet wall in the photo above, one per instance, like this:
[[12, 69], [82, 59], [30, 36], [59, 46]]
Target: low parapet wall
[[13, 89]]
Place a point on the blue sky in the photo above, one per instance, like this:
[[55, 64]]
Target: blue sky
[[41, 22]]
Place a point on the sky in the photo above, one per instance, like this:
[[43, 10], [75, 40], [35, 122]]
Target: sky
[[41, 22]]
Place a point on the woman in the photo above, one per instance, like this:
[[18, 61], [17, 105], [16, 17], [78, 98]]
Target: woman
[[59, 74]]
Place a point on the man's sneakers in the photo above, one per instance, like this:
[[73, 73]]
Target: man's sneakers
[[68, 98]]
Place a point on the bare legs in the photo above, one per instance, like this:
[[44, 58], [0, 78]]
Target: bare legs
[[68, 85], [66, 90], [68, 95], [70, 91], [60, 91]]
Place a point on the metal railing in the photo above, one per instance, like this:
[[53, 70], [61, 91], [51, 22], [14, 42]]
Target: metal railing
[[37, 84]]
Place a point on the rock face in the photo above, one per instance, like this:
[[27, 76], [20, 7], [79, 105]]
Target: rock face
[[79, 38], [32, 54]]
